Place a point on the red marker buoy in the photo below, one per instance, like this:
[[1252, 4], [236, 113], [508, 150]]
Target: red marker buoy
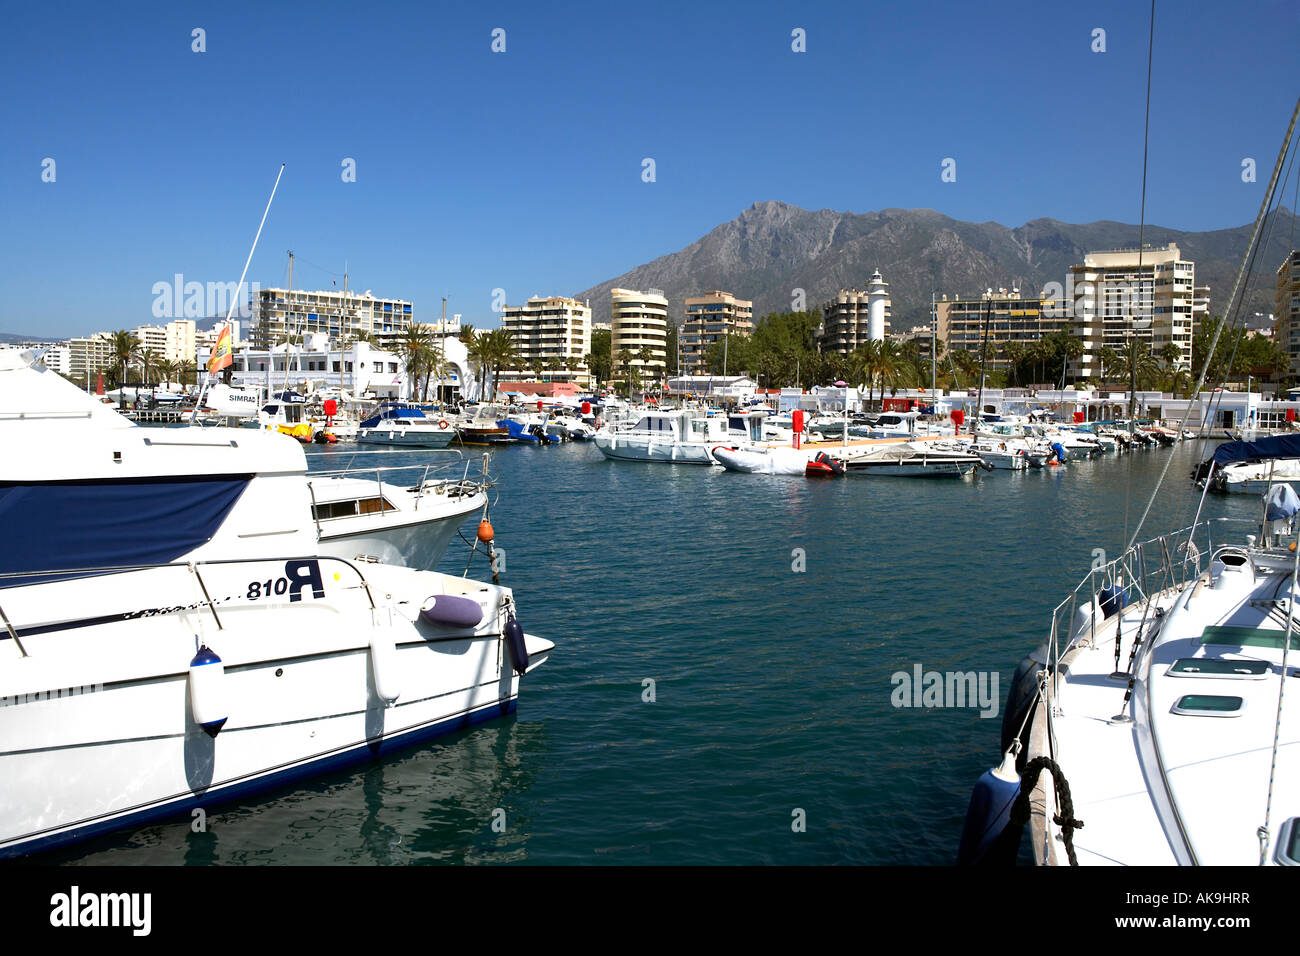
[[485, 531]]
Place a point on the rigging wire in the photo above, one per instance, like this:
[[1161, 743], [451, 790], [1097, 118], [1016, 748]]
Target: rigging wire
[[1216, 400], [1142, 222], [1246, 264]]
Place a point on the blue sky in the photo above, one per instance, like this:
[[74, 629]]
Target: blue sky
[[522, 170]]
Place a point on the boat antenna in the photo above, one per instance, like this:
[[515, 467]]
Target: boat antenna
[[235, 298]]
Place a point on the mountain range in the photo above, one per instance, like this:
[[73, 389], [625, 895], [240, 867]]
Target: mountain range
[[773, 248]]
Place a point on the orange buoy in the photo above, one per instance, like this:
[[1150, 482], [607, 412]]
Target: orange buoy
[[485, 531]]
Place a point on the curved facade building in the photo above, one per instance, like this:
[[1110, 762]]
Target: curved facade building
[[639, 320]]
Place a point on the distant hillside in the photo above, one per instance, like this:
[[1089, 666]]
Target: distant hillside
[[773, 248]]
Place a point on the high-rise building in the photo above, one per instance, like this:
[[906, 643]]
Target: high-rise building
[[89, 355], [710, 317], [1286, 309], [856, 316], [1124, 294], [1008, 317], [639, 327], [343, 316], [552, 336], [173, 342]]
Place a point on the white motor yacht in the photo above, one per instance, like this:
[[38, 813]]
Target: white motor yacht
[[173, 634], [374, 514], [681, 437], [399, 425]]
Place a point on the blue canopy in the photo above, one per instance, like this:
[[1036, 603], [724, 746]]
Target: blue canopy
[[58, 525], [1279, 446]]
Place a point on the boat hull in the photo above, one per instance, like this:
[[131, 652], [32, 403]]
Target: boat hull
[[321, 682], [405, 437], [635, 448]]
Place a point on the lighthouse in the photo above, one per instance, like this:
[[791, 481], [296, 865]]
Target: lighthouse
[[877, 296]]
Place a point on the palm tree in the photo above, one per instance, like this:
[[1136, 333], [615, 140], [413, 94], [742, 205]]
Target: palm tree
[[1107, 360], [125, 347], [149, 359], [1139, 365], [479, 348], [625, 365], [501, 351], [415, 348], [889, 364], [435, 367], [863, 363], [645, 356], [1071, 350], [963, 361]]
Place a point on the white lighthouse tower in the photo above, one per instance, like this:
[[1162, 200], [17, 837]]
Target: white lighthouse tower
[[877, 296]]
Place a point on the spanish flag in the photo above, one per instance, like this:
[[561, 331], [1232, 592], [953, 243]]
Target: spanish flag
[[220, 356]]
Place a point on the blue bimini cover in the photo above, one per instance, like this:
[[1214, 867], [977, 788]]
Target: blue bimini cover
[[1279, 446], [59, 526]]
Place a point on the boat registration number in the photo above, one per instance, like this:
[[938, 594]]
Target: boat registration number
[[297, 576]]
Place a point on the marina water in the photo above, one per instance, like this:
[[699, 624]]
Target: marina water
[[721, 687]]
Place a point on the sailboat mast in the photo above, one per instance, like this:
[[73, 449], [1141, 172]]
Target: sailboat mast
[[984, 342], [934, 332]]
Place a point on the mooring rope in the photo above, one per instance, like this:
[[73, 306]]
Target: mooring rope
[[1064, 817]]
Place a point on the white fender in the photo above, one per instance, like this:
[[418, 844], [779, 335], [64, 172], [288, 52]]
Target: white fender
[[384, 666], [208, 691]]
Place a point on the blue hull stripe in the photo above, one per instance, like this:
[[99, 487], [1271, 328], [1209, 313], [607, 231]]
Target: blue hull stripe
[[226, 794]]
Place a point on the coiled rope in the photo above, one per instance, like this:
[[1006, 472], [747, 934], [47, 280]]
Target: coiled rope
[[1064, 818]]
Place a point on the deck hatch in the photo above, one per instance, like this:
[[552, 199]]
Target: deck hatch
[[1209, 705], [1217, 667], [1248, 636]]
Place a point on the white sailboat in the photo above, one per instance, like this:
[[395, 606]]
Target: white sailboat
[[1157, 712]]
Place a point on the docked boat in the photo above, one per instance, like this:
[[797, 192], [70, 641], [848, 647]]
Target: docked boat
[[173, 634], [909, 460], [377, 514], [528, 428], [765, 461], [1153, 727], [1001, 455], [401, 425], [1156, 711], [286, 413], [483, 427], [1251, 467], [681, 437]]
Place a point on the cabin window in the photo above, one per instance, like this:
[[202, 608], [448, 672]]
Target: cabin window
[[1208, 705], [327, 510], [1216, 667]]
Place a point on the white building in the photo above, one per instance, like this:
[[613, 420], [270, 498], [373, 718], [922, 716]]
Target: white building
[[343, 316], [173, 342], [1124, 294], [552, 337], [58, 358], [856, 316], [639, 320]]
